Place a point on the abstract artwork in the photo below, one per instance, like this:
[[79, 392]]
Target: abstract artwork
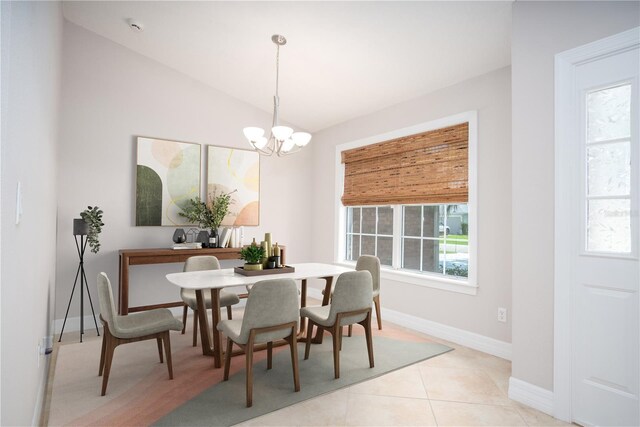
[[167, 176], [237, 171]]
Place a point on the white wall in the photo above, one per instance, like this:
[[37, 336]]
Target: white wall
[[31, 53], [541, 30], [490, 95], [110, 94]]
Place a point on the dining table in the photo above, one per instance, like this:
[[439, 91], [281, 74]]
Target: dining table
[[216, 280]]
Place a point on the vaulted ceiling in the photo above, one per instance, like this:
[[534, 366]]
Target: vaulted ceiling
[[342, 59]]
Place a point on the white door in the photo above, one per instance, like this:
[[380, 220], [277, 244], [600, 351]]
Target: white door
[[605, 322]]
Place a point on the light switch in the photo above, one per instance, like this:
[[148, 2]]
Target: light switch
[[18, 203]]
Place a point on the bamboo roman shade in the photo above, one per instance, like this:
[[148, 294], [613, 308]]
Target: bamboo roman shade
[[430, 167]]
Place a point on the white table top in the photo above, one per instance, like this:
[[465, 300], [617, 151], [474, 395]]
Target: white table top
[[226, 277]]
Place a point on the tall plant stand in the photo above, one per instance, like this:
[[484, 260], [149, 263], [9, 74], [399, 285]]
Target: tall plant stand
[[80, 229]]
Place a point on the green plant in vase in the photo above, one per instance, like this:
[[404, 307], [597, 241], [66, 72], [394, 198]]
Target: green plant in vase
[[253, 256], [208, 215], [93, 217]]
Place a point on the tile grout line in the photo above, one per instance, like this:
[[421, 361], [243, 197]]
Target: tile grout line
[[424, 385]]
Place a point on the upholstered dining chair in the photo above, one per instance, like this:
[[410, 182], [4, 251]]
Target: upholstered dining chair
[[271, 314], [351, 303], [145, 325], [371, 264], [227, 299]]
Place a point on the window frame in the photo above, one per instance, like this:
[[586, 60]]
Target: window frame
[[435, 281]]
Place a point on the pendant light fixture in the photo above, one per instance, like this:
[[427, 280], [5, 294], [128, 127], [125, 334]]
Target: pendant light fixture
[[282, 140]]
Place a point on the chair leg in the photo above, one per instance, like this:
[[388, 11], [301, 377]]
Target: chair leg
[[160, 348], [102, 353], [376, 301], [269, 355], [350, 330], [195, 328], [307, 346], [167, 351], [184, 318], [293, 343], [249, 367], [367, 331], [111, 346], [227, 359], [336, 349], [229, 315], [340, 338]]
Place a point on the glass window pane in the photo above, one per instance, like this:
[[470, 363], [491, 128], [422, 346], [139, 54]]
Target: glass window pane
[[349, 254], [609, 113], [356, 220], [350, 220], [457, 221], [385, 250], [457, 258], [369, 220], [355, 247], [441, 221], [609, 225], [432, 255], [412, 220], [368, 245], [609, 169], [411, 254], [385, 220], [430, 221]]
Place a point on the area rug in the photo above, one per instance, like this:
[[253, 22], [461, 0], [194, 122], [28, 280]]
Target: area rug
[[140, 393]]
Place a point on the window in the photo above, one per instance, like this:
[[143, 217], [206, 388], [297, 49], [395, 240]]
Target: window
[[370, 232], [410, 200], [433, 238], [608, 170]]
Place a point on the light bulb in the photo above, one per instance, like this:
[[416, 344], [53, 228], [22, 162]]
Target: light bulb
[[281, 132], [253, 133], [301, 138], [287, 145]]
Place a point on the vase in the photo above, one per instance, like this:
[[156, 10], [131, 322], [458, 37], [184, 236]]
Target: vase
[[80, 227], [214, 241], [253, 267], [179, 236], [203, 237]]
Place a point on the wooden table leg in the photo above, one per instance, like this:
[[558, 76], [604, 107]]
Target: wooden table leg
[[217, 337], [123, 285], [325, 301], [207, 350], [303, 303]]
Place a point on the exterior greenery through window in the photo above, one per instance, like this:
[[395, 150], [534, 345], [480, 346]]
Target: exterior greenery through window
[[431, 239]]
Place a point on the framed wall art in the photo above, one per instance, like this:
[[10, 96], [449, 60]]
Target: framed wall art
[[167, 176], [238, 171]]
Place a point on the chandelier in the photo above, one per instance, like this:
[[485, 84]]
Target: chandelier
[[282, 140]]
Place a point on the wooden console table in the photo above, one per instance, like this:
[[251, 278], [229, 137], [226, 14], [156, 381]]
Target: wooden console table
[[163, 256]]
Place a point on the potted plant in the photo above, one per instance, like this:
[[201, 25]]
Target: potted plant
[[253, 256], [90, 225], [208, 215]]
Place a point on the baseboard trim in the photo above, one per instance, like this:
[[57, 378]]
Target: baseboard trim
[[42, 389], [459, 336], [531, 395]]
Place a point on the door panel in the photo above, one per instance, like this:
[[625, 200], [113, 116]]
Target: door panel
[[606, 271]]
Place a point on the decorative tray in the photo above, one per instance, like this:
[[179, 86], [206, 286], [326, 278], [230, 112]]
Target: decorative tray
[[281, 270]]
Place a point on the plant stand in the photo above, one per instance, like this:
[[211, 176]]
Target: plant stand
[[83, 284]]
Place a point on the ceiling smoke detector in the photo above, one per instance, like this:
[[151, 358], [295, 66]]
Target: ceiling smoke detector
[[135, 25]]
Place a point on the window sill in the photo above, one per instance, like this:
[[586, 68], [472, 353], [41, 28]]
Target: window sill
[[425, 280]]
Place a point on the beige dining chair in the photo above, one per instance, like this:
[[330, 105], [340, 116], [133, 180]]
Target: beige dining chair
[[227, 299], [271, 314], [351, 303], [145, 325], [371, 264]]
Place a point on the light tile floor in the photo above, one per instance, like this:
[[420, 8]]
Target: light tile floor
[[464, 387]]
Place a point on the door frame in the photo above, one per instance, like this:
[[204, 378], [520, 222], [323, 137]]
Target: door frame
[[565, 175]]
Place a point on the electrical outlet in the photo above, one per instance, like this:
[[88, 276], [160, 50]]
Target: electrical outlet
[[502, 314]]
